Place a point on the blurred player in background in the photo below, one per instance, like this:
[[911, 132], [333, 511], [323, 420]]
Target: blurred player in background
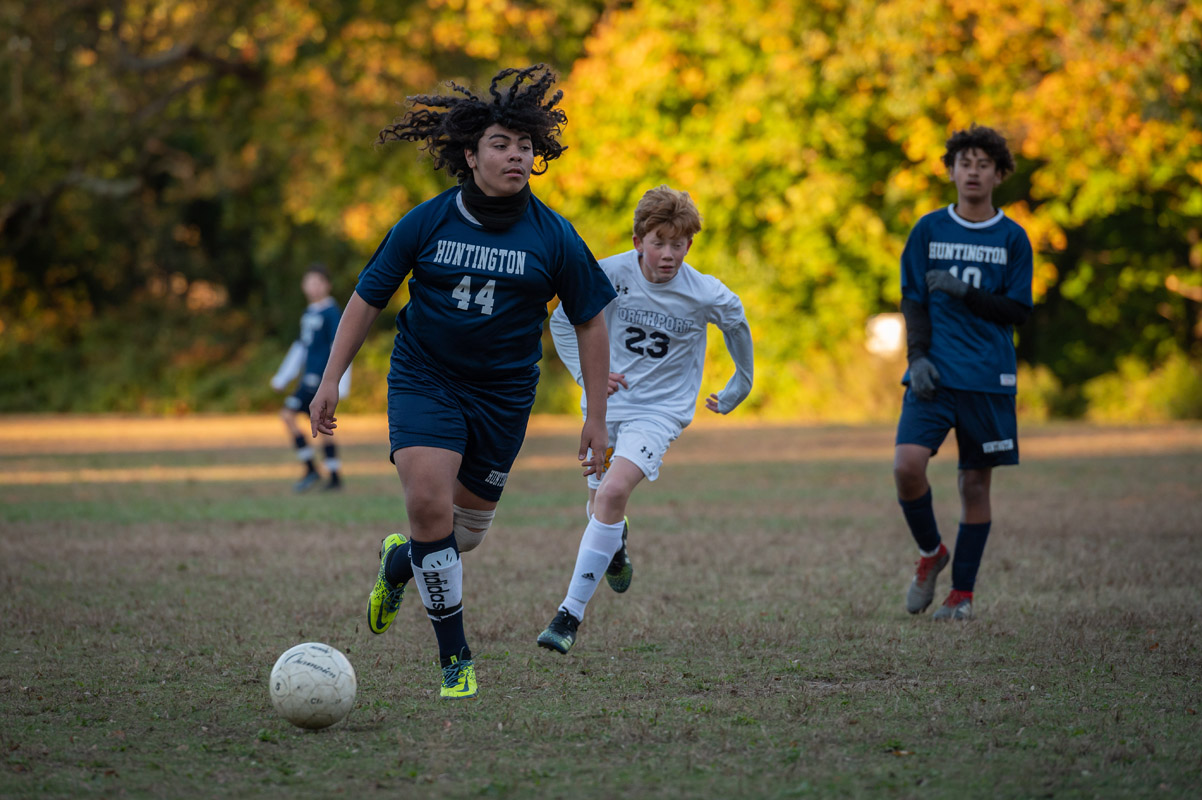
[[307, 358], [657, 336], [966, 282], [483, 259]]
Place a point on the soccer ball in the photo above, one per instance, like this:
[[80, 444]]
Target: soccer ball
[[312, 685]]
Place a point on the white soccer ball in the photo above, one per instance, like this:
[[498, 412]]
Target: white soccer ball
[[313, 685]]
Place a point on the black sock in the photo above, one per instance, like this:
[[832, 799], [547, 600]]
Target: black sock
[[332, 463], [920, 516], [970, 546], [398, 568], [438, 573]]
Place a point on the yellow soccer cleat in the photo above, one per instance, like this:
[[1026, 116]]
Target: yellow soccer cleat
[[385, 599], [459, 677]]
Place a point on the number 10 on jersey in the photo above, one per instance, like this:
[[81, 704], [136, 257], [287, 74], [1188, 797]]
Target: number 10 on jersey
[[484, 298]]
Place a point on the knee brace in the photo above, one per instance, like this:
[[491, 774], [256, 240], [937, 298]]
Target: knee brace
[[471, 526]]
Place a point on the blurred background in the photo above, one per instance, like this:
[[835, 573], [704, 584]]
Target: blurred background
[[169, 168]]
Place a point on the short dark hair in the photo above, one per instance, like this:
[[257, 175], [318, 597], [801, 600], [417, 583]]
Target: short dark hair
[[987, 140], [462, 120], [317, 268]]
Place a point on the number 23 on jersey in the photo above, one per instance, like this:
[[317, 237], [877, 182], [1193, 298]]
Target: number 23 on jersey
[[659, 342]]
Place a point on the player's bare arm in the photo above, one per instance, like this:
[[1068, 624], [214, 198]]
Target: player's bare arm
[[356, 321], [593, 340]]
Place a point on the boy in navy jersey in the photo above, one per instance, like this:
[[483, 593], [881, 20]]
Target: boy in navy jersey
[[482, 260], [307, 358], [966, 282]]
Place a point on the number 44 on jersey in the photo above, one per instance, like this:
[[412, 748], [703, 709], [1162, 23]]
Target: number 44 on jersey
[[484, 298]]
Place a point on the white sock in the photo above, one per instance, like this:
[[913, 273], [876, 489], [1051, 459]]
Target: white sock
[[597, 548], [925, 554]]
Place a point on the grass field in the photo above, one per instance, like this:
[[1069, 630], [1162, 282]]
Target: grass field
[[151, 572]]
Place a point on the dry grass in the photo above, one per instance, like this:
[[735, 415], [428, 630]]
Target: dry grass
[[762, 651]]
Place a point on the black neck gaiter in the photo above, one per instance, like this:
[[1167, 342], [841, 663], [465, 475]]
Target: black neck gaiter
[[494, 213]]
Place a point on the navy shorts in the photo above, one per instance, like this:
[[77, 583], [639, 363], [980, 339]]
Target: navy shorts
[[986, 425], [485, 422], [299, 400]]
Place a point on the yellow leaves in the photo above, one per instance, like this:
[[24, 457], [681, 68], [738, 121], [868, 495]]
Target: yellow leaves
[[922, 141], [775, 43], [358, 223], [815, 44], [911, 181], [693, 81], [485, 29]]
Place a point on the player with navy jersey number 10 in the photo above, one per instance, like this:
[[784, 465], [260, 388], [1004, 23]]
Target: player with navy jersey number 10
[[966, 282], [657, 335], [482, 261]]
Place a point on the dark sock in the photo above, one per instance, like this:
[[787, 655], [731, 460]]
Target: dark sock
[[332, 463], [464, 655], [970, 545], [305, 454], [399, 567], [920, 516], [438, 573]]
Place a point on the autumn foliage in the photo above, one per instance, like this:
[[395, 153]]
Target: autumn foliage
[[171, 167]]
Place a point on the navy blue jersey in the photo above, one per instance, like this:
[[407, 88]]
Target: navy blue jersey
[[308, 355], [319, 323], [971, 353], [478, 298]]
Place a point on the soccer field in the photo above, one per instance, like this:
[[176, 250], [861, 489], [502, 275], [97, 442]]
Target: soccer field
[[151, 571]]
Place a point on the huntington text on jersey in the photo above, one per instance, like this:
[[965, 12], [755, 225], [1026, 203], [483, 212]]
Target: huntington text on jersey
[[485, 259], [959, 251]]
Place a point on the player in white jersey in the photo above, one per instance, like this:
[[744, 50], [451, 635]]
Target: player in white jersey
[[657, 336]]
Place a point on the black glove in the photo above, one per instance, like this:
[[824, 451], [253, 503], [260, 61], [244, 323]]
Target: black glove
[[923, 377], [939, 280]]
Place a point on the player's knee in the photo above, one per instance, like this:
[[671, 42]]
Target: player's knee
[[471, 526], [974, 486], [426, 513], [909, 475], [610, 501]]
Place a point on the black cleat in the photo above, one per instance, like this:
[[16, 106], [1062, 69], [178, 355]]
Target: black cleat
[[561, 633], [620, 571]]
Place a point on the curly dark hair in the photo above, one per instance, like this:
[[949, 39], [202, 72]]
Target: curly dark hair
[[450, 124], [987, 140]]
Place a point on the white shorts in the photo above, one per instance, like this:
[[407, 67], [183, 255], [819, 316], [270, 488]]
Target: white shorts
[[643, 442]]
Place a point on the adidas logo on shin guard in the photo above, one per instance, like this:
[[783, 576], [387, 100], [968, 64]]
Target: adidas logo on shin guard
[[588, 576]]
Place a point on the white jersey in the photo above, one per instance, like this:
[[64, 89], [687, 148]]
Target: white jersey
[[657, 339]]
